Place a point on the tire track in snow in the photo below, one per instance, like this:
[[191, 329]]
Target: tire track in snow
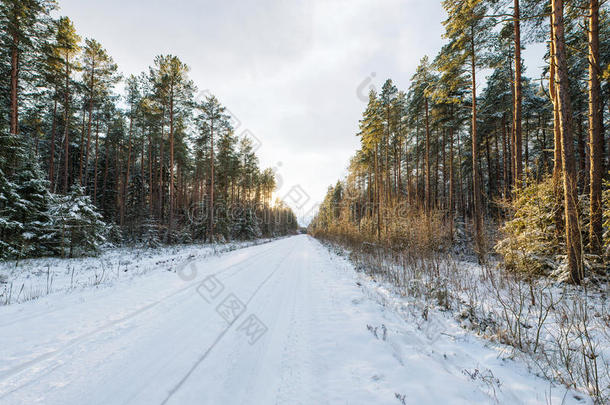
[[177, 387], [202, 258], [79, 339]]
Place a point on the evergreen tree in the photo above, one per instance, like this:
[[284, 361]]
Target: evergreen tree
[[66, 50], [99, 76], [24, 200], [77, 227], [213, 118], [469, 32], [176, 91], [24, 25]]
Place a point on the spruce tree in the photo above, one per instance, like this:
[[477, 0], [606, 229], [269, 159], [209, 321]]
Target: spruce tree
[[78, 227], [24, 202]]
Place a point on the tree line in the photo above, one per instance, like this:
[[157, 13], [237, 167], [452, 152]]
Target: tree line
[[470, 159], [152, 161]]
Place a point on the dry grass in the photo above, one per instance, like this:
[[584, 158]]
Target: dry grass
[[560, 330]]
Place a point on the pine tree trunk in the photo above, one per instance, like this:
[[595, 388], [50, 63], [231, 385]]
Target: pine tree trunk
[[106, 164], [573, 241], [160, 180], [427, 159], [417, 165], [596, 140], [126, 179], [81, 149], [171, 163], [435, 194], [395, 171], [505, 159], [518, 97], [476, 185], [451, 184], [526, 149], [150, 175], [388, 189], [117, 181], [460, 178], [399, 175], [95, 164], [91, 83], [557, 159], [14, 119], [581, 172], [66, 126], [211, 226], [377, 204], [444, 204], [52, 152], [408, 168], [509, 142], [142, 175], [497, 170], [86, 172], [489, 172]]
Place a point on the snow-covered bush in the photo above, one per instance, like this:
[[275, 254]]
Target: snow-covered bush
[[150, 233], [560, 330], [531, 243], [223, 220], [77, 226], [246, 226]]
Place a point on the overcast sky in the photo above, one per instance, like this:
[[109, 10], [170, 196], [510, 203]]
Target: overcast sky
[[294, 73]]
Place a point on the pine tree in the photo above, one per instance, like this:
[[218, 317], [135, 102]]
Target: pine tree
[[23, 23], [422, 85], [386, 99], [449, 93], [66, 50], [371, 133], [214, 117], [99, 75], [596, 140], [518, 95], [469, 33], [573, 237]]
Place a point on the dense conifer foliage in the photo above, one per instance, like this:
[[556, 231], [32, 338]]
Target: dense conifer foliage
[[83, 162], [469, 154]]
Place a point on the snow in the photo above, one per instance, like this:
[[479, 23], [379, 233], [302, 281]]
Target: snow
[[327, 335], [30, 279]]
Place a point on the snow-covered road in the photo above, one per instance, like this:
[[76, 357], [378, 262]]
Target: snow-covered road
[[281, 323]]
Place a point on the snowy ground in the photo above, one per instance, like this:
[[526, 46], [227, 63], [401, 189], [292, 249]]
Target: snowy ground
[[286, 322], [30, 279]]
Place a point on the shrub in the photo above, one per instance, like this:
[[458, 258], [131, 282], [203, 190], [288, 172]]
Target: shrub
[[531, 243]]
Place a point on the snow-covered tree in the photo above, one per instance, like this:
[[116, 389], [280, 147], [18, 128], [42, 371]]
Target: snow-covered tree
[[150, 233], [9, 225], [246, 226], [77, 225], [24, 200]]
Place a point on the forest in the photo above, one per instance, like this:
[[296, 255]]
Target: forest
[[464, 257], [517, 170], [492, 203], [89, 156]]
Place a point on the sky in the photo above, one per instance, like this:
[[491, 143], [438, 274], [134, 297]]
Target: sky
[[293, 74]]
